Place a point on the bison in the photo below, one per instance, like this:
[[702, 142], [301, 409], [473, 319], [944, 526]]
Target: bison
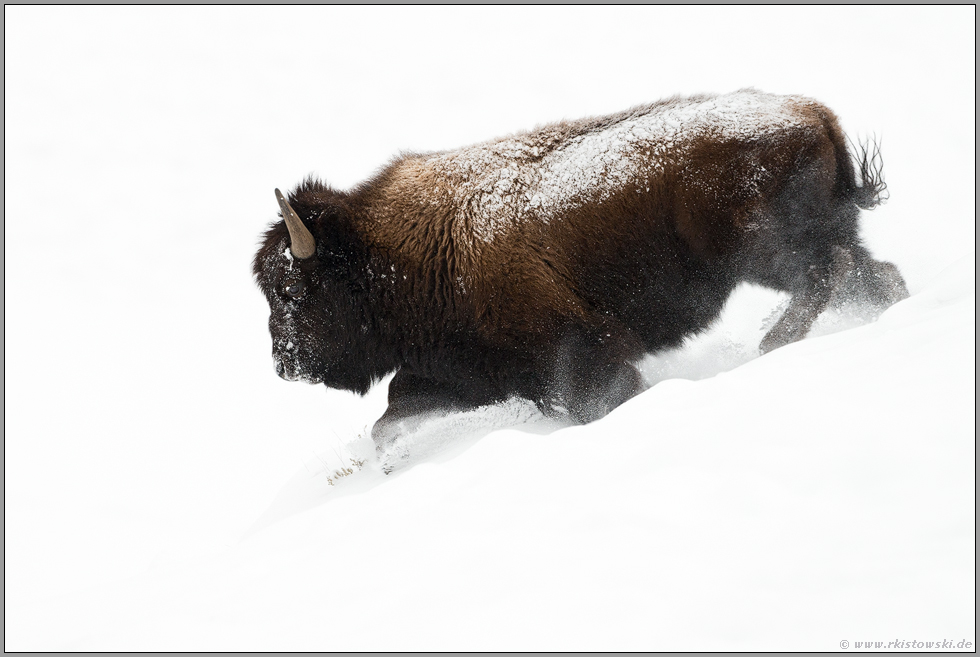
[[543, 265]]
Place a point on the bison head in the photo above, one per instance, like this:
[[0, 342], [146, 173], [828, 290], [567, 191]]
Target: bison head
[[312, 269]]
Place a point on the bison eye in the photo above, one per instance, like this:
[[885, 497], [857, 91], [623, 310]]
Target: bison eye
[[295, 289]]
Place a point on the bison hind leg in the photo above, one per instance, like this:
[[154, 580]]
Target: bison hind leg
[[874, 285], [852, 277], [591, 374], [809, 299]]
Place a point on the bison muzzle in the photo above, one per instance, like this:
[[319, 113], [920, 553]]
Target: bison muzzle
[[545, 264]]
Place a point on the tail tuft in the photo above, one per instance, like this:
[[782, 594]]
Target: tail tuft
[[873, 190]]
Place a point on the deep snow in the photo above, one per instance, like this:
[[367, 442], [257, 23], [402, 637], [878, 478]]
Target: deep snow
[[165, 490]]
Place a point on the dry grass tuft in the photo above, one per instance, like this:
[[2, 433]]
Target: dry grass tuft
[[352, 466]]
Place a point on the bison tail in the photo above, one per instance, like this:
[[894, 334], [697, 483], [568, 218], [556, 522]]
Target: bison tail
[[872, 190]]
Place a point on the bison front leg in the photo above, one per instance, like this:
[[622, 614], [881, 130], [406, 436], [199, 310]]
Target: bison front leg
[[592, 374], [809, 301], [412, 398]]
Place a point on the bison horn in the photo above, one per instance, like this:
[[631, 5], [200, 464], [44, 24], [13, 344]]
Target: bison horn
[[302, 244]]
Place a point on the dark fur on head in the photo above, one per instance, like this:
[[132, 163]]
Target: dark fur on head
[[324, 335]]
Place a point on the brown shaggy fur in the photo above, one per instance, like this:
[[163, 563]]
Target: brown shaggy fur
[[545, 263]]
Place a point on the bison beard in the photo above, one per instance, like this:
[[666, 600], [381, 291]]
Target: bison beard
[[543, 265]]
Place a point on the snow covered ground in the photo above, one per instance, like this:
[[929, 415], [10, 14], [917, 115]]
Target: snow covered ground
[[165, 490]]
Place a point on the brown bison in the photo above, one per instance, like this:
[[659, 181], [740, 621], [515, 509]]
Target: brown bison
[[544, 264]]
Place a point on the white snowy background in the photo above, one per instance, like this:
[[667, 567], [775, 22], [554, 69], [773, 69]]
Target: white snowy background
[[165, 490]]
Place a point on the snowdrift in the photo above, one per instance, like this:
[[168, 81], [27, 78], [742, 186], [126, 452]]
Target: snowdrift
[[819, 493]]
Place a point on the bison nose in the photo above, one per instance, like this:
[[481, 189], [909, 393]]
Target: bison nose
[[280, 369]]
